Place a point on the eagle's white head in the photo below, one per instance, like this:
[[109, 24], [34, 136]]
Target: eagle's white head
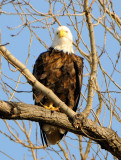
[[63, 40]]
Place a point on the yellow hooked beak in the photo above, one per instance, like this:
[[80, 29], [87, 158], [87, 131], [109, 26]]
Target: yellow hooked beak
[[62, 33]]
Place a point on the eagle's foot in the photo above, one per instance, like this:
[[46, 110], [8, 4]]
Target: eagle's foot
[[51, 107]]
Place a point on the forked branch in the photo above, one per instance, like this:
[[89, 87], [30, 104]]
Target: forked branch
[[107, 138]]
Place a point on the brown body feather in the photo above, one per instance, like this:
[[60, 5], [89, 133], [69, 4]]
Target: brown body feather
[[62, 73]]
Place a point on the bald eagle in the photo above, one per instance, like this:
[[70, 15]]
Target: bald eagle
[[60, 70]]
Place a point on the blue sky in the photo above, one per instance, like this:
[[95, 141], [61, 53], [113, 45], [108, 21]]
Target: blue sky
[[19, 47]]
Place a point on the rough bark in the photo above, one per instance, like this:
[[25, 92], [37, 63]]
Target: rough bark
[[107, 138]]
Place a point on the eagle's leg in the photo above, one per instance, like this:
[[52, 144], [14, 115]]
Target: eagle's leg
[[51, 107]]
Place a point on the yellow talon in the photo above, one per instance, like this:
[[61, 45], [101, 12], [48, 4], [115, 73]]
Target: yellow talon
[[50, 107]]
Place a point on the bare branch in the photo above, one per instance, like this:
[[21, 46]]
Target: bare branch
[[107, 138], [93, 58], [33, 81]]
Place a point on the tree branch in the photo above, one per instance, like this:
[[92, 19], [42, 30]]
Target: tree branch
[[34, 82], [93, 57], [107, 138]]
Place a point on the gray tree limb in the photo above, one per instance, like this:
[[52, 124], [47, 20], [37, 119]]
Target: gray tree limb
[[106, 137], [34, 82]]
